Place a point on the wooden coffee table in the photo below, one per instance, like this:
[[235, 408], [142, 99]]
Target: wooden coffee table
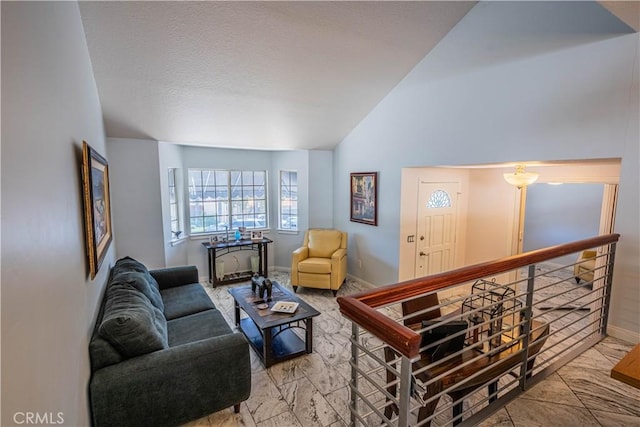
[[271, 333]]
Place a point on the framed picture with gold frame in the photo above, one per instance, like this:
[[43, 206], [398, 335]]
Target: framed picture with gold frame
[[97, 206]]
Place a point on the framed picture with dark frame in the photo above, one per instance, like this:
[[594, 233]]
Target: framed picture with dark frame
[[97, 206], [364, 197]]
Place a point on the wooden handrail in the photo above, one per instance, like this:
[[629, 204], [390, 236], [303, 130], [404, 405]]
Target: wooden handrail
[[360, 308]]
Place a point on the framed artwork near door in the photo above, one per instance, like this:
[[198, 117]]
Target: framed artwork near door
[[97, 206], [364, 197]]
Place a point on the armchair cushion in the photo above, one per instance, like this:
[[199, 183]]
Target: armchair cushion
[[323, 243], [315, 265]]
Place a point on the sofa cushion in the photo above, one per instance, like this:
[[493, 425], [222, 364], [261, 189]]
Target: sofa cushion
[[131, 323], [184, 300], [128, 270], [315, 265], [196, 327], [323, 243]]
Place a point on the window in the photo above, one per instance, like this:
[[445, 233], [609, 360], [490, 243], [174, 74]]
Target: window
[[288, 200], [221, 199], [176, 228], [439, 199]]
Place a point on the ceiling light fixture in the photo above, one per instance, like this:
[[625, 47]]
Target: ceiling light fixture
[[520, 178]]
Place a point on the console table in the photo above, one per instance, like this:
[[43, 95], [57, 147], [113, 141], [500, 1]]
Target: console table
[[217, 249]]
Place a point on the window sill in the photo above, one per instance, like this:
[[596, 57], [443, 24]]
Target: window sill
[[179, 241], [291, 232]]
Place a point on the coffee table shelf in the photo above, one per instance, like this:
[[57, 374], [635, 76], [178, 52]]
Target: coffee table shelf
[[285, 344]]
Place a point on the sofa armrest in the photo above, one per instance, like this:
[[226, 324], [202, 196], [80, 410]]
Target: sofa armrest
[[173, 386], [175, 276]]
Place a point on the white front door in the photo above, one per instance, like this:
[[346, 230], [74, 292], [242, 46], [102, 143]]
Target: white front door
[[437, 219]]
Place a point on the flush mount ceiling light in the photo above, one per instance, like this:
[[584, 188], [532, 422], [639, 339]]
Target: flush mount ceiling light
[[520, 178]]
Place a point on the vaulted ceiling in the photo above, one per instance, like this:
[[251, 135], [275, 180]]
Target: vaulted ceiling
[[259, 75]]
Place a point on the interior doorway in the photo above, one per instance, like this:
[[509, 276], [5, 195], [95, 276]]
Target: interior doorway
[[490, 216]]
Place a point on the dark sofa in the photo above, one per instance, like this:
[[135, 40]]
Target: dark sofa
[[161, 353]]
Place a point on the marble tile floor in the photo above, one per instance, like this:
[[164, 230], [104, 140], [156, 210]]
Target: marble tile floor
[[312, 390]]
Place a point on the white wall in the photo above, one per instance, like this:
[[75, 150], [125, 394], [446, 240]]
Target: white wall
[[492, 211], [315, 198], [136, 200], [624, 313], [49, 105], [575, 98], [286, 242], [320, 189]]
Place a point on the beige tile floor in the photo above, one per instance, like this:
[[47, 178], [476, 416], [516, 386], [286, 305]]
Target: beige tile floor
[[312, 390]]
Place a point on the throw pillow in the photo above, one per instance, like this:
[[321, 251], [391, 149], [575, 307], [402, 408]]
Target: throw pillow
[[131, 323], [141, 282], [129, 264]]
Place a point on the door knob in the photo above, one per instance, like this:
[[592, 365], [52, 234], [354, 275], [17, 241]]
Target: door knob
[[422, 253]]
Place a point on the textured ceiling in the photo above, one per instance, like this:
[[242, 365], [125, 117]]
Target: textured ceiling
[[269, 75], [272, 75]]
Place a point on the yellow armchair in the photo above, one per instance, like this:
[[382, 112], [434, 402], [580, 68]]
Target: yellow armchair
[[583, 269], [321, 262]]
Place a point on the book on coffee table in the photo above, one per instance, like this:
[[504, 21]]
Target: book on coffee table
[[285, 307]]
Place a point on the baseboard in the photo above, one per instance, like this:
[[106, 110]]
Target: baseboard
[[349, 276], [362, 281], [623, 334]]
